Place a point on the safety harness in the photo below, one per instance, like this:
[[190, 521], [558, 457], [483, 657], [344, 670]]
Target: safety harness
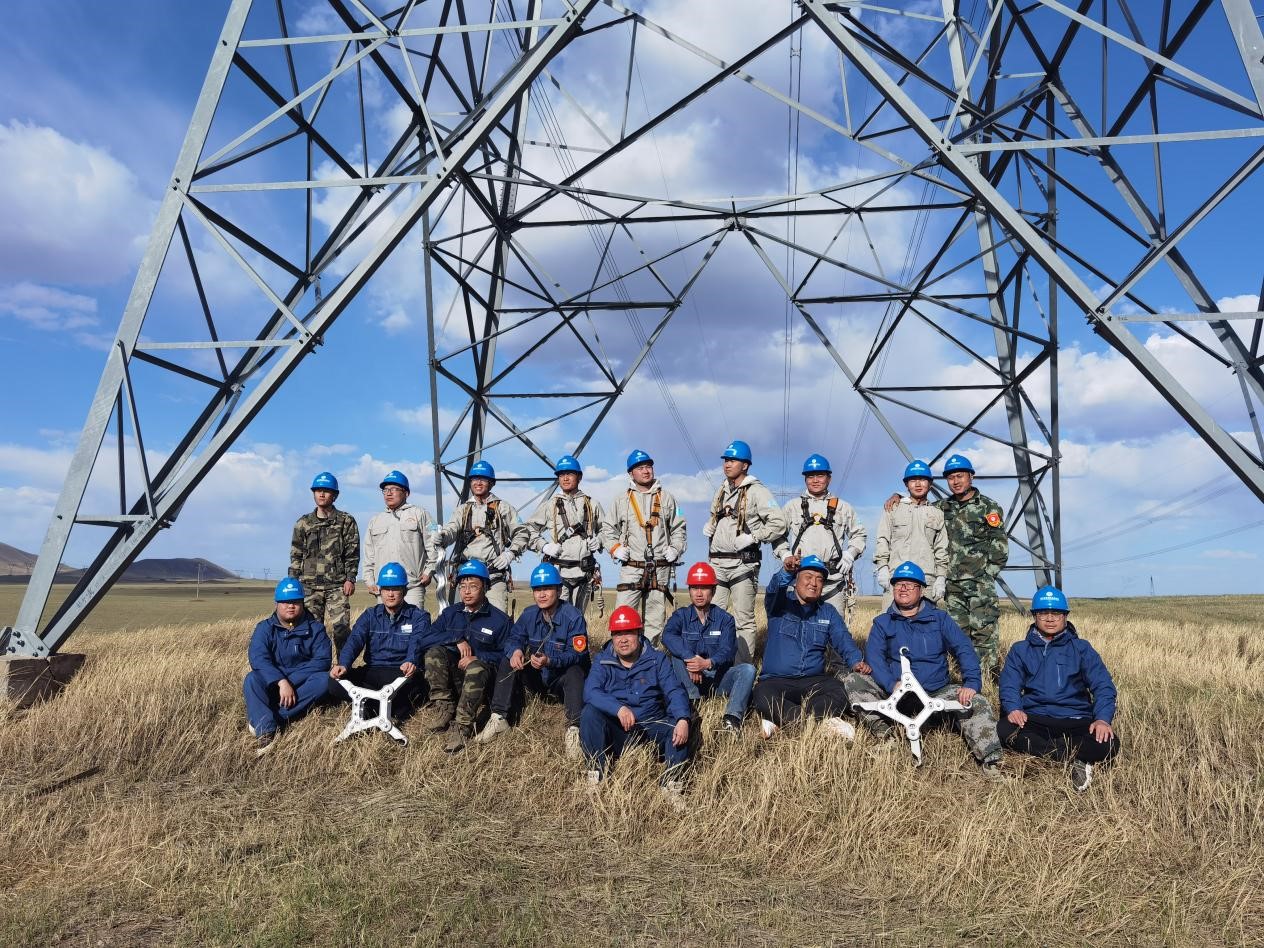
[[496, 532], [585, 529], [816, 520], [721, 511], [648, 566]]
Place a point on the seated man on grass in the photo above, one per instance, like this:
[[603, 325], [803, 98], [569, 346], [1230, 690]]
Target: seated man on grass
[[1057, 698], [289, 666]]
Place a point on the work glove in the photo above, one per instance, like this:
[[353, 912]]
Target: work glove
[[594, 544], [709, 530], [552, 549], [503, 561], [939, 587], [884, 577], [620, 554], [441, 554], [671, 554], [845, 562], [745, 541]]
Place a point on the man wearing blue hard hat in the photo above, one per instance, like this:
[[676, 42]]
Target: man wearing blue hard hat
[[929, 635], [913, 530], [325, 558], [289, 666], [392, 636], [645, 534], [488, 529], [566, 531], [823, 525], [1057, 697], [743, 516], [402, 533]]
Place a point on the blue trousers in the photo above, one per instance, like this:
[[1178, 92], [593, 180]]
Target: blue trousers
[[604, 739], [736, 682], [263, 701]]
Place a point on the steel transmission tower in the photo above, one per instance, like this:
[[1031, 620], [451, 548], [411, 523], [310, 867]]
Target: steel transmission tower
[[975, 168]]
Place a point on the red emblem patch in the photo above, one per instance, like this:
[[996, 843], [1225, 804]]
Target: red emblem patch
[[993, 519], [579, 643]]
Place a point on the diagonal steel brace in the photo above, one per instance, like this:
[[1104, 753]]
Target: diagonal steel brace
[[382, 721], [912, 725]]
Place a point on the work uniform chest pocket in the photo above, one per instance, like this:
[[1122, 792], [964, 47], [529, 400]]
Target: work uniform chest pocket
[[900, 531], [379, 530]]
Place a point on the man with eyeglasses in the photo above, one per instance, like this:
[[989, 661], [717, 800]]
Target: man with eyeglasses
[[402, 533]]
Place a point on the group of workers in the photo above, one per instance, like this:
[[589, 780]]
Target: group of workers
[[474, 663]]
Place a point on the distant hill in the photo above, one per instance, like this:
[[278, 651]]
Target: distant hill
[[15, 562]]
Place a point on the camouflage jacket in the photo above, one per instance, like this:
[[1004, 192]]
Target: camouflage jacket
[[977, 545], [325, 551]]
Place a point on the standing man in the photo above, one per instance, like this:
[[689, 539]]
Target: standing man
[[822, 525], [913, 530], [402, 533], [289, 666], [928, 634], [1057, 697], [644, 532], [487, 529], [702, 641], [800, 628], [743, 515], [325, 558], [566, 529]]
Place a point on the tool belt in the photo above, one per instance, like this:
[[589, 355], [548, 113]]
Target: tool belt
[[587, 564], [749, 555], [637, 587]]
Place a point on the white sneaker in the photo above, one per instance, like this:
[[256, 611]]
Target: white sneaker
[[496, 726], [767, 728], [837, 727], [1081, 775], [572, 747], [674, 793], [592, 780]]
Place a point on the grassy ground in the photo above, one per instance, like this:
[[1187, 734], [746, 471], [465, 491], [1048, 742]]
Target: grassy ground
[[132, 811]]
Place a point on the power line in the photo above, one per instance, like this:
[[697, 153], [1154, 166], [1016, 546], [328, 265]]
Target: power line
[[1173, 548]]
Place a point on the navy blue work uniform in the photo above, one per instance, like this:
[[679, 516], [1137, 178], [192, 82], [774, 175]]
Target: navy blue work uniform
[[299, 655]]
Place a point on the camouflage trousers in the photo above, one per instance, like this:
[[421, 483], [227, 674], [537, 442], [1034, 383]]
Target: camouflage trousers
[[442, 676], [328, 606], [976, 724], [974, 607]]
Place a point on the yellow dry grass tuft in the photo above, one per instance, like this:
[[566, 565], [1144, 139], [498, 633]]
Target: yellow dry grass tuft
[[134, 812]]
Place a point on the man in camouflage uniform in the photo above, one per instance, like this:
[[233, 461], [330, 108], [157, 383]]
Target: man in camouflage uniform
[[743, 515], [644, 532], [488, 529], [566, 529], [822, 525], [913, 529], [402, 533], [324, 557]]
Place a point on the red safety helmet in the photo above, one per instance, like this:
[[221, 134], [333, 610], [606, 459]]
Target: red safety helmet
[[701, 574], [625, 619]]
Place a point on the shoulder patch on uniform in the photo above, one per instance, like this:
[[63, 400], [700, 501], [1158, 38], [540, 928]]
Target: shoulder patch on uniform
[[993, 518], [579, 643]]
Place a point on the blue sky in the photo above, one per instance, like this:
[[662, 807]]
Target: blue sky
[[94, 101]]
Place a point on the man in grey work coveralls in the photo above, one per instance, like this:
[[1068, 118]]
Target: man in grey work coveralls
[[488, 529], [743, 515], [566, 529], [913, 529], [402, 533], [644, 532], [820, 524]]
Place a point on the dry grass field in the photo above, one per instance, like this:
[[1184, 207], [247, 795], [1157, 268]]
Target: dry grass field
[[132, 811]]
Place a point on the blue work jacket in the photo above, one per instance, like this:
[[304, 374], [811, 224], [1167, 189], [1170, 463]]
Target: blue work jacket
[[1063, 677], [564, 641], [387, 639], [486, 630], [684, 636], [650, 688], [798, 634], [929, 636], [293, 654]]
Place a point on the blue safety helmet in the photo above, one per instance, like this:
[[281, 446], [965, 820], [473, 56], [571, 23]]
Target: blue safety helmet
[[1049, 599], [567, 462], [817, 464], [397, 478], [908, 570], [814, 562], [958, 462], [737, 451], [325, 481], [545, 574], [474, 568], [289, 590], [918, 469], [638, 457], [392, 576], [482, 469]]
